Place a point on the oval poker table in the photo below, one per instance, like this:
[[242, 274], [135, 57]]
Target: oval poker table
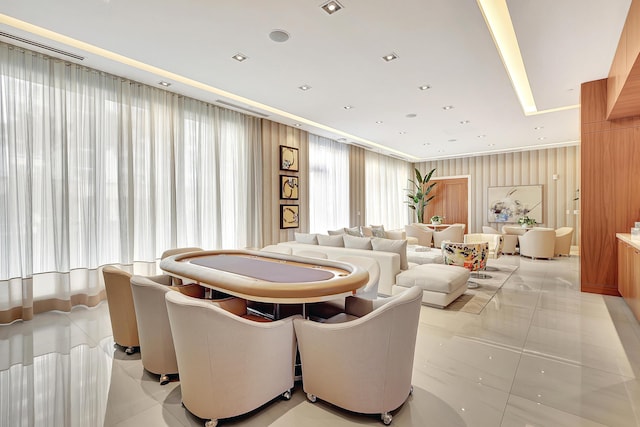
[[267, 277]]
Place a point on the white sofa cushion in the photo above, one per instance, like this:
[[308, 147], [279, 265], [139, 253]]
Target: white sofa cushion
[[354, 242], [336, 241], [434, 277], [309, 239], [388, 245]]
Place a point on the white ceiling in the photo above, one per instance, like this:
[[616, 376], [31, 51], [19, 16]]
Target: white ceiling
[[442, 43]]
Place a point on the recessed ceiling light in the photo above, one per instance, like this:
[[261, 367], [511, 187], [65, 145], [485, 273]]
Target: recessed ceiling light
[[411, 115], [441, 151], [538, 127], [482, 136], [331, 7], [304, 87], [279, 36], [464, 122], [379, 122], [348, 107], [448, 107], [402, 132], [240, 57], [542, 138], [297, 125], [490, 145], [452, 140], [390, 57], [341, 139], [426, 143], [165, 84], [424, 87]]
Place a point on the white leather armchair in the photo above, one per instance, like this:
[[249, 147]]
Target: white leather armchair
[[563, 241], [422, 233], [496, 242], [453, 233], [121, 309], [489, 230], [363, 365], [510, 234], [538, 243], [156, 343], [228, 365]]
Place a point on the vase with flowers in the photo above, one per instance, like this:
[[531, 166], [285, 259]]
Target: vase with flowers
[[526, 222]]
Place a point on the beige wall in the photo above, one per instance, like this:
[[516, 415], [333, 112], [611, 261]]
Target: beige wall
[[520, 168], [273, 136]]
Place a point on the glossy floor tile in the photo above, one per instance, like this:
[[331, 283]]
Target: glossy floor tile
[[541, 353]]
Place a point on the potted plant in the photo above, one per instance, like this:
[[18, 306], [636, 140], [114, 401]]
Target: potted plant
[[419, 193], [436, 219], [526, 222]]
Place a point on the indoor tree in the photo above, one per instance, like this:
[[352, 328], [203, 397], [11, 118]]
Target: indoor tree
[[418, 194]]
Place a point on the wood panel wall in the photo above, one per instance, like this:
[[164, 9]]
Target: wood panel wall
[[610, 187], [520, 168], [623, 83], [357, 195], [273, 136]]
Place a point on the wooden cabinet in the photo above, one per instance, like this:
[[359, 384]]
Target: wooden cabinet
[[629, 273]]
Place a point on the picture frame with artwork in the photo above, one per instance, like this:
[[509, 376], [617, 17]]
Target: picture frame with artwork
[[289, 216], [288, 187], [508, 204], [289, 160]]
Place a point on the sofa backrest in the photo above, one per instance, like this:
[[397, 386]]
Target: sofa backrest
[[389, 262]]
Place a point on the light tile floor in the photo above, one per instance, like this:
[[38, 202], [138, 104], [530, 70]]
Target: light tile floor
[[540, 354]]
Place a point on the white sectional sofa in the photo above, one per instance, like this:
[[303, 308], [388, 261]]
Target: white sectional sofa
[[389, 261]]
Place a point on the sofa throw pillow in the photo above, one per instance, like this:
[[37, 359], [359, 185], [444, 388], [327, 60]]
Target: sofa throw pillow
[[354, 242], [353, 231], [366, 231], [308, 239], [388, 245], [336, 241], [378, 231], [338, 232]]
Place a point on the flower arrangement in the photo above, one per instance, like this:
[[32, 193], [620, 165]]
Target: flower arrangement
[[436, 219], [525, 221]]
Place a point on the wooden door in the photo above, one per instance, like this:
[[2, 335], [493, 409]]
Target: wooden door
[[450, 201]]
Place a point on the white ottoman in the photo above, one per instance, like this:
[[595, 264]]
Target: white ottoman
[[423, 255], [441, 284]]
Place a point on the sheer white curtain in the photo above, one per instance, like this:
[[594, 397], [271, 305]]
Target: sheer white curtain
[[95, 170], [386, 181], [328, 184]]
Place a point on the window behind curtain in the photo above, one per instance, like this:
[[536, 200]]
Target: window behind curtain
[[328, 184], [386, 181]]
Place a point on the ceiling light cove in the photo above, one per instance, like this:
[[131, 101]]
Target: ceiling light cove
[[240, 57], [331, 7], [390, 57], [496, 15]]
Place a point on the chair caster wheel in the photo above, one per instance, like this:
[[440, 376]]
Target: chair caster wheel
[[287, 395], [386, 418], [211, 423], [411, 390], [164, 379], [130, 350], [312, 397]]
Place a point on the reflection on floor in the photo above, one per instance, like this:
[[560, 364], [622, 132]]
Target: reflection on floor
[[540, 354]]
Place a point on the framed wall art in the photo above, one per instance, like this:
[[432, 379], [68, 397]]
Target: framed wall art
[[508, 204], [289, 216], [288, 187], [289, 159]]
